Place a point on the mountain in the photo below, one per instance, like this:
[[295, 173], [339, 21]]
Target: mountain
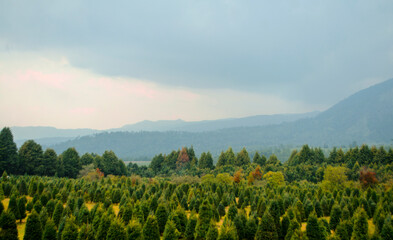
[[365, 117], [49, 135], [211, 125]]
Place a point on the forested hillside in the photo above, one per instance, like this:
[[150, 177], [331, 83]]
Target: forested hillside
[[365, 117], [184, 195]]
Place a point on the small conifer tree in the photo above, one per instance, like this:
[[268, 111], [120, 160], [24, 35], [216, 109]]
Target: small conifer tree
[[150, 229]]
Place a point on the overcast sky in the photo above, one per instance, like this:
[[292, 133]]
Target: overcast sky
[[103, 64]]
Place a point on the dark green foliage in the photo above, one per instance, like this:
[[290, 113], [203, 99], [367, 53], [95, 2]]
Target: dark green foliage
[[150, 229], [205, 215], [134, 230], [162, 217], [190, 229], [70, 162], [344, 230], [212, 233], [179, 217], [116, 231], [170, 232], [31, 158], [251, 228], [387, 229], [360, 227], [8, 152], [227, 232], [221, 210], [8, 226], [58, 212], [125, 213], [104, 226], [206, 161], [242, 158], [13, 207], [86, 232], [37, 206], [313, 229], [232, 212], [70, 231], [49, 163], [33, 229], [266, 229], [335, 217], [49, 231]]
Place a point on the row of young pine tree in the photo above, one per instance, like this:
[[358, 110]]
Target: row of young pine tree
[[212, 208]]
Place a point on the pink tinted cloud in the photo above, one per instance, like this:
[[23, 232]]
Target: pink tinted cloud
[[55, 80]]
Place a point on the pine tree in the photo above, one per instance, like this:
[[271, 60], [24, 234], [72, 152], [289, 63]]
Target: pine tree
[[13, 207], [212, 233], [179, 217], [150, 229], [170, 232], [134, 230], [227, 232], [360, 228], [86, 232], [205, 215], [49, 231], [162, 217], [251, 228], [313, 230], [126, 213], [266, 229], [387, 229], [116, 231], [232, 212], [33, 229], [70, 231], [221, 160], [335, 217], [8, 152], [8, 226], [190, 229], [58, 212], [105, 224]]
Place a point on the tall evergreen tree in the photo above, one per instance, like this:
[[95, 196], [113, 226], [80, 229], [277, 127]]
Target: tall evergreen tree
[[49, 163], [116, 231], [13, 207], [335, 217], [22, 208], [313, 230], [70, 231], [171, 232], [242, 158], [71, 163], [206, 161], [212, 233], [31, 156], [266, 228], [134, 230], [8, 152], [162, 217], [33, 229], [221, 160], [8, 227], [190, 229], [360, 228], [150, 229], [49, 231]]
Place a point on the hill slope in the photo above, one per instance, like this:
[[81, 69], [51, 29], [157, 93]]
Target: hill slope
[[365, 117]]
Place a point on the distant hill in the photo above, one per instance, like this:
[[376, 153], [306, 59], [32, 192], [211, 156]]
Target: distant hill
[[212, 125], [50, 135], [365, 117]]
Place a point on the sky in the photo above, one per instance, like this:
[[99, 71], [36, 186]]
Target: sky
[[104, 64]]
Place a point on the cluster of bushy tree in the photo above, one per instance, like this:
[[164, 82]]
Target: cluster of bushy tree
[[31, 159], [203, 208]]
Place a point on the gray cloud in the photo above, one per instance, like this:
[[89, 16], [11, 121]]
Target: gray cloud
[[303, 50]]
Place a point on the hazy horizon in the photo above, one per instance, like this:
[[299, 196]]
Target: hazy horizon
[[71, 64]]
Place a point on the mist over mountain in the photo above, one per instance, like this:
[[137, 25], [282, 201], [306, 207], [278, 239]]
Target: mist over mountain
[[50, 135], [365, 117]]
